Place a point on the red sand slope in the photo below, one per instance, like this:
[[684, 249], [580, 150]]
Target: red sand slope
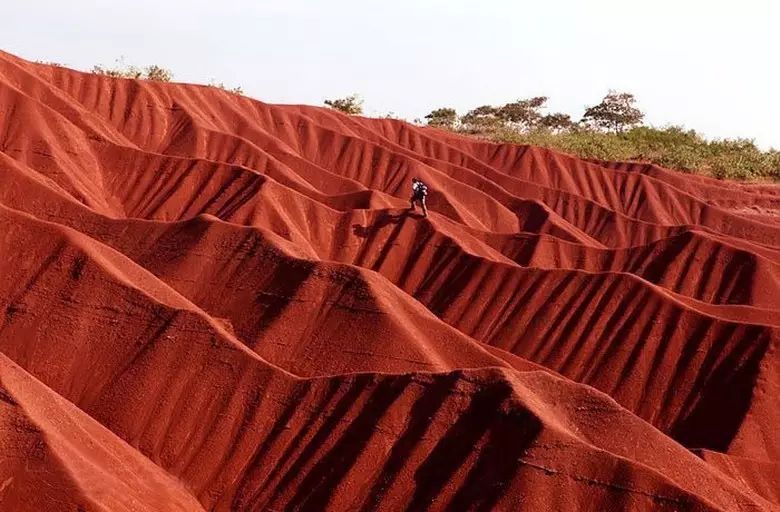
[[55, 457], [209, 302]]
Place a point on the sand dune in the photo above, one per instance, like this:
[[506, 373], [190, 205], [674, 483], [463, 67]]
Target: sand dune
[[215, 303]]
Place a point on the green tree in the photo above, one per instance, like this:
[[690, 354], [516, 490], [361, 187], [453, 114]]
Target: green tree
[[482, 119], [616, 112], [158, 73], [352, 105], [523, 114], [444, 117], [556, 122]]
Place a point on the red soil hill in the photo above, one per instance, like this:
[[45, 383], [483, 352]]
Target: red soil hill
[[207, 302]]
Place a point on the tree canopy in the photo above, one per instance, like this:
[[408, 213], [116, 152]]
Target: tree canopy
[[444, 117], [616, 112], [352, 105]]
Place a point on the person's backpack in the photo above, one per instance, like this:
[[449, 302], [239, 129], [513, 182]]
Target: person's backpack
[[422, 188]]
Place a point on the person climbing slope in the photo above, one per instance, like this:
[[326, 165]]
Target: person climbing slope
[[419, 193]]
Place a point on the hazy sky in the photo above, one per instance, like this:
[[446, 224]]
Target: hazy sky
[[709, 65]]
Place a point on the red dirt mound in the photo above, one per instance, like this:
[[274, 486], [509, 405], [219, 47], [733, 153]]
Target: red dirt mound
[[55, 457], [208, 302]]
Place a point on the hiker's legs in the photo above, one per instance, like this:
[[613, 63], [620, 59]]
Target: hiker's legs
[[424, 207], [411, 203]]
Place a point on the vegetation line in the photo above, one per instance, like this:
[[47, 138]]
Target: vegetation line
[[610, 130]]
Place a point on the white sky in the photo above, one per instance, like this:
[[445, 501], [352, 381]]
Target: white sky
[[709, 65]]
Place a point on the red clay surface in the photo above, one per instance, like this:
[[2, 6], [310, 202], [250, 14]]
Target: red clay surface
[[211, 303]]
